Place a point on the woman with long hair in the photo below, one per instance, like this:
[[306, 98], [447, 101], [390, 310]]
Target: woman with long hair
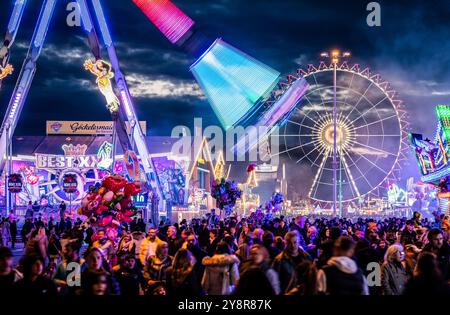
[[180, 278], [393, 272]]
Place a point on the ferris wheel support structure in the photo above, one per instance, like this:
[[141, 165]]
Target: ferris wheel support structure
[[19, 96]]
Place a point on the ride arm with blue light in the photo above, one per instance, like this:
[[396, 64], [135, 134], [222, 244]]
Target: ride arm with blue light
[[25, 79], [95, 47], [13, 28], [127, 111], [236, 85]]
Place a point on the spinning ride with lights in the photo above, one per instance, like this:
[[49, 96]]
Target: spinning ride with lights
[[120, 105], [433, 157], [370, 132]]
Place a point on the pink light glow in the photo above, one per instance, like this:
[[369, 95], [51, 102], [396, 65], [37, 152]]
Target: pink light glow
[[170, 20]]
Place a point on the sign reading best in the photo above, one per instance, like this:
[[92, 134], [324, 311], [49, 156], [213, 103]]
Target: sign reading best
[[44, 161]]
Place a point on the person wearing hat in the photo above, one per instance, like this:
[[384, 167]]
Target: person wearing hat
[[8, 275], [409, 236]]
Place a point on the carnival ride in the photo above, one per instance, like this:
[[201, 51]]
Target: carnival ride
[[433, 157], [370, 128], [371, 132], [239, 88], [104, 70]]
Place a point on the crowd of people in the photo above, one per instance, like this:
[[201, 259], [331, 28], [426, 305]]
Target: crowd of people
[[230, 256]]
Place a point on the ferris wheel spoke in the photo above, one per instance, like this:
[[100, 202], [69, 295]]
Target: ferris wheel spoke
[[321, 97], [296, 147], [373, 148], [321, 152], [371, 108], [370, 136], [312, 106], [357, 167], [360, 99], [371, 162], [309, 153], [350, 176], [349, 88], [376, 122], [315, 184]]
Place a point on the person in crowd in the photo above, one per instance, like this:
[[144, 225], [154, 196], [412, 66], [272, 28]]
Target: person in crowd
[[221, 271], [410, 261], [97, 283], [156, 266], [194, 248], [312, 242], [259, 259], [408, 236], [104, 244], [8, 275], [268, 241], [62, 210], [327, 245], [71, 255], [181, 279], [95, 264], [33, 283], [175, 242], [126, 245], [13, 232], [393, 273], [148, 246], [37, 243], [341, 275], [441, 249], [286, 262], [306, 280], [5, 232], [128, 276], [243, 252], [427, 279], [29, 210], [212, 242]]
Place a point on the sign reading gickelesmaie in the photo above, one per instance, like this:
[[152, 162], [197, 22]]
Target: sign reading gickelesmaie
[[84, 128]]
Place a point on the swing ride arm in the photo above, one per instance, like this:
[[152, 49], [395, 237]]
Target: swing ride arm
[[13, 28], [25, 79]]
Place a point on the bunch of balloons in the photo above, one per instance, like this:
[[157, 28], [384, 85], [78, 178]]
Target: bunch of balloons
[[110, 204]]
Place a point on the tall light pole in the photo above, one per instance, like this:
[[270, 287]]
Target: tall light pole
[[335, 55]]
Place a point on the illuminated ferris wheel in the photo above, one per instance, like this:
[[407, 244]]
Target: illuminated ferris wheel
[[370, 133]]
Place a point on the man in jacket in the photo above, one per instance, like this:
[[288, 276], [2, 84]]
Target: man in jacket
[[148, 246], [341, 275], [286, 262], [441, 249]]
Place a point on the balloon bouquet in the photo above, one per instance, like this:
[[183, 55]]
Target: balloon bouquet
[[110, 204]]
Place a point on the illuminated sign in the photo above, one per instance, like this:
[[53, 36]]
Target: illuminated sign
[[75, 157], [81, 128], [15, 183]]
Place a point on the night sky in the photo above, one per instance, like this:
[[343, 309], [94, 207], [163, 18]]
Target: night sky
[[410, 50]]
